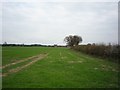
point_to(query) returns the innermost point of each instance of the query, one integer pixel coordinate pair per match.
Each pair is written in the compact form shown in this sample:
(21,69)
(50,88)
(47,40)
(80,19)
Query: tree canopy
(73,40)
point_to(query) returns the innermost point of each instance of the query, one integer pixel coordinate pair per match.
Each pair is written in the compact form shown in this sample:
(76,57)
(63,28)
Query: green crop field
(55,67)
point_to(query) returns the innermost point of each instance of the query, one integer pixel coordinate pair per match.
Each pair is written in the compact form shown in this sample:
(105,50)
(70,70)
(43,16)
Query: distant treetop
(73,40)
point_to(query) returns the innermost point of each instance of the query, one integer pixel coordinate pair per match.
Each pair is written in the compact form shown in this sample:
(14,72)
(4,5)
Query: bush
(105,51)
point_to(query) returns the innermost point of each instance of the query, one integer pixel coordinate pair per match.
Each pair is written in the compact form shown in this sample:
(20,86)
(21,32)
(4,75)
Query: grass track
(61,68)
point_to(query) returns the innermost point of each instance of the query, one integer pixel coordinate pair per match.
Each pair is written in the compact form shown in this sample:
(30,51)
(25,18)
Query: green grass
(62,68)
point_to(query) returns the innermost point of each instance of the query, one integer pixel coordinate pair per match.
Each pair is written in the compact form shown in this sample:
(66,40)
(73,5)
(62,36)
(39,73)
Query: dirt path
(33,60)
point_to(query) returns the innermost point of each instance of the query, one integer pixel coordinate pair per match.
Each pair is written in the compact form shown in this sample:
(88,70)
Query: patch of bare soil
(71,61)
(75,61)
(63,57)
(108,68)
(33,60)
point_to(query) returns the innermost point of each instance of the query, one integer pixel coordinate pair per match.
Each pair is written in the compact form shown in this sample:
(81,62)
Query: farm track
(33,60)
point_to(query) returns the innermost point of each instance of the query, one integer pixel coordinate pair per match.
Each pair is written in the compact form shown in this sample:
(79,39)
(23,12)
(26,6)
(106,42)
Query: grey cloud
(49,23)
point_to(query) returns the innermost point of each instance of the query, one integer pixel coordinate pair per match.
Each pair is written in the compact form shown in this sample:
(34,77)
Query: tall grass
(105,51)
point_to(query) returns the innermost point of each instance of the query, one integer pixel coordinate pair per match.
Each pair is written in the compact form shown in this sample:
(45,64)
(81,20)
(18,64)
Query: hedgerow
(105,51)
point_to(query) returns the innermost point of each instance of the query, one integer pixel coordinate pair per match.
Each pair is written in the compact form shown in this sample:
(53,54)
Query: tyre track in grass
(14,70)
(19,61)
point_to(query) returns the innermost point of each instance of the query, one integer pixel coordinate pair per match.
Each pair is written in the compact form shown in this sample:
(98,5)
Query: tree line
(31,45)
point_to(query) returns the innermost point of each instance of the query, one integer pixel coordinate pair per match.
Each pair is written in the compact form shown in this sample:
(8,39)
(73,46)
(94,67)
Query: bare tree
(73,40)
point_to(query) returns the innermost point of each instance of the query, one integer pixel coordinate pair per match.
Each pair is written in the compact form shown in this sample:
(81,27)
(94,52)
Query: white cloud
(59,0)
(0,22)
(50,22)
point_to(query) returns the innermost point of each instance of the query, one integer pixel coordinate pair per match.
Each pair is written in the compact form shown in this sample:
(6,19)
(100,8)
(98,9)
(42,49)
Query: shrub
(105,51)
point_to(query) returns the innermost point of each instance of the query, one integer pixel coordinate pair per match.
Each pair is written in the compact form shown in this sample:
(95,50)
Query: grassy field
(61,68)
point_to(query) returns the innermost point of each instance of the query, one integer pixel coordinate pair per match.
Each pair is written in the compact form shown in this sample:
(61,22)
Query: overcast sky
(50,22)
